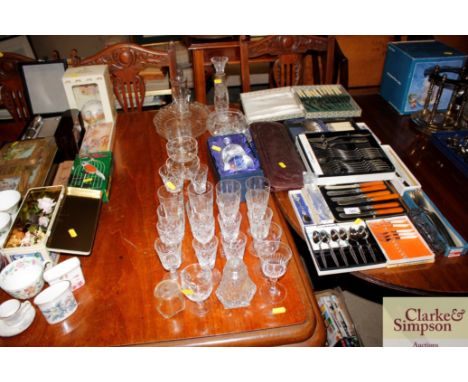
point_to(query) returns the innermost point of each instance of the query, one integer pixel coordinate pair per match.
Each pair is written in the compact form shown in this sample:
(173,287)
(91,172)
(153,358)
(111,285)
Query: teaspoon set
(344,246)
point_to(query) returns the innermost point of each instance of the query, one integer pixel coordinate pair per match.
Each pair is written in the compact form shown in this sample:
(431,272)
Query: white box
(85,84)
(405,180)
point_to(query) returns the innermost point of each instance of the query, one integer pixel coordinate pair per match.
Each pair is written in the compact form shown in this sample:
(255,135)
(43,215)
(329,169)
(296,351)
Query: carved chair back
(125,62)
(12,91)
(294,55)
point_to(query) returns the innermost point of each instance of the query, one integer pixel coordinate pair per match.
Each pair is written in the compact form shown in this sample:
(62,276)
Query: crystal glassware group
(196,281)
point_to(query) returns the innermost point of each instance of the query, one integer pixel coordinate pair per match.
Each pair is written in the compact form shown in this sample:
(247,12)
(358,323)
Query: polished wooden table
(441,181)
(117,307)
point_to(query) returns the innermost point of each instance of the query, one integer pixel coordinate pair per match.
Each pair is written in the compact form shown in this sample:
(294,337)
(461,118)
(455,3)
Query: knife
(371,207)
(357,191)
(365,199)
(355,185)
(365,195)
(386,211)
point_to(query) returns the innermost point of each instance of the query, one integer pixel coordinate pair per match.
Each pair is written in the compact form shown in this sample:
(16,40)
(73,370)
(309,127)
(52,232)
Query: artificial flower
(44,221)
(46,204)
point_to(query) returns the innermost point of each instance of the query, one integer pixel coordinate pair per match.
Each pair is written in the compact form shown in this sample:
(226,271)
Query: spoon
(355,236)
(317,240)
(365,235)
(326,239)
(344,236)
(336,237)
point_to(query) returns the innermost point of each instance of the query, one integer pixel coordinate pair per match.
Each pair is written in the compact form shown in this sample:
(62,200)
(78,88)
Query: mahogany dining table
(444,184)
(116,306)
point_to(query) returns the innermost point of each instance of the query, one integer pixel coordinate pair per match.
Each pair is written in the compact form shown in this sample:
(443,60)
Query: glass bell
(234,157)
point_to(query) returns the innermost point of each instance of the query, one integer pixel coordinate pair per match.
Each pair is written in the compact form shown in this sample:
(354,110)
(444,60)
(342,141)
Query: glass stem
(273,288)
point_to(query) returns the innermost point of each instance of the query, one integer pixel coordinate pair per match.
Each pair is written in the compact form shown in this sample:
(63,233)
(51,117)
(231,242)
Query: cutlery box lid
(75,226)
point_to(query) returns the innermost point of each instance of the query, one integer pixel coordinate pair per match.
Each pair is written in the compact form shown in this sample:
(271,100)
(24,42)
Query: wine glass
(170,256)
(273,235)
(197,285)
(274,266)
(257,194)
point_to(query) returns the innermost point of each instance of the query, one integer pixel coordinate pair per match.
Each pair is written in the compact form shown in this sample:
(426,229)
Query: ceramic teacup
(11,311)
(23,277)
(5,219)
(57,302)
(66,270)
(9,201)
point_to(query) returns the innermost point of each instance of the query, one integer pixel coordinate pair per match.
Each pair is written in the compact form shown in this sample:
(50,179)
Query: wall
(366,56)
(86,45)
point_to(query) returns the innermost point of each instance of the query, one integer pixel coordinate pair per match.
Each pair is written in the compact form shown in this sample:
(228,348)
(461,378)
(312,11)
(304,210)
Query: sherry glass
(228,196)
(257,194)
(172,202)
(206,255)
(197,285)
(272,237)
(170,256)
(199,178)
(171,180)
(201,202)
(235,248)
(274,266)
(230,227)
(260,224)
(202,225)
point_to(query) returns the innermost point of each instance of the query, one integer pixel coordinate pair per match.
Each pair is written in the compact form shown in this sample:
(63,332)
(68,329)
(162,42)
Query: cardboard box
(404,83)
(446,240)
(85,86)
(93,172)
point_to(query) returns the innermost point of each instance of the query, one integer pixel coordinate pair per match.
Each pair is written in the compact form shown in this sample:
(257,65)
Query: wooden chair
(300,60)
(126,61)
(12,91)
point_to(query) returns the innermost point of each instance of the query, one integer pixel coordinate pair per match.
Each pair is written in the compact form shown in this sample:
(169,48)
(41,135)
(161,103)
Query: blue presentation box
(216,144)
(404,83)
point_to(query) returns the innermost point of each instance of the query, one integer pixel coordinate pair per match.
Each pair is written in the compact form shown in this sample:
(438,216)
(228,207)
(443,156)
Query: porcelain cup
(23,277)
(9,201)
(5,219)
(11,311)
(57,302)
(66,270)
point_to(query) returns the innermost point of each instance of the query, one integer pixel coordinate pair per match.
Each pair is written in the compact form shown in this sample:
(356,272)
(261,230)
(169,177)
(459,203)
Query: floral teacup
(57,302)
(66,270)
(23,277)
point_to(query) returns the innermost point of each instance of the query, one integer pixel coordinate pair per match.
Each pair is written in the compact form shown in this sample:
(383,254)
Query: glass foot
(273,294)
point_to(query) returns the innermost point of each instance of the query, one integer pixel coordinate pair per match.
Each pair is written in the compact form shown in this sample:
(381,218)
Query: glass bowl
(228,122)
(193,123)
(182,149)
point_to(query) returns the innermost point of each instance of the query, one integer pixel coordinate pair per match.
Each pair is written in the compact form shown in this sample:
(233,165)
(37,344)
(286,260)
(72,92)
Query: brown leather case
(280,161)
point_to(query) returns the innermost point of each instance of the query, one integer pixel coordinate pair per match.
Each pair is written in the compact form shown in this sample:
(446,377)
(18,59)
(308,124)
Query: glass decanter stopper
(234,156)
(180,93)
(236,289)
(221,94)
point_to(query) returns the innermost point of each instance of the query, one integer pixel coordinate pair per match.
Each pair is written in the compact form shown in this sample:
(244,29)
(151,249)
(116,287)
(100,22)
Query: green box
(93,171)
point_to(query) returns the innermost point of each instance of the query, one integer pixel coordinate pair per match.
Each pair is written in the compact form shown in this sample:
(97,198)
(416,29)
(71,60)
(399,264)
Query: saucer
(28,317)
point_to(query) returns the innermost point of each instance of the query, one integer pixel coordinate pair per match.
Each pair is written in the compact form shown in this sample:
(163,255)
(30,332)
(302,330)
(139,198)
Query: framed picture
(31,158)
(25,152)
(14,181)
